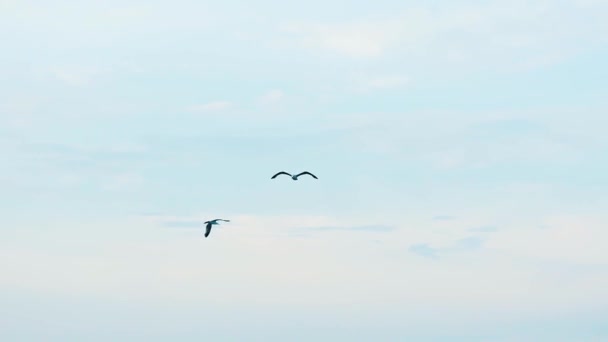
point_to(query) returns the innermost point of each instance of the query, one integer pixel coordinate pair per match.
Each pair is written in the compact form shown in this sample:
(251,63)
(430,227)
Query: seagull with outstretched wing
(294,177)
(211,223)
(304,173)
(281,173)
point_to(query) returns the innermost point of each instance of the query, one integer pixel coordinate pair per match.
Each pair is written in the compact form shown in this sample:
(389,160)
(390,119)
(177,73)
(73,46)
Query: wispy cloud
(387,82)
(271,224)
(487,142)
(371,228)
(506,128)
(211,106)
(467,244)
(578,239)
(444,217)
(76,75)
(171,220)
(272,97)
(424,250)
(184,224)
(93,153)
(365,83)
(470,243)
(484,229)
(452,34)
(123,181)
(361,40)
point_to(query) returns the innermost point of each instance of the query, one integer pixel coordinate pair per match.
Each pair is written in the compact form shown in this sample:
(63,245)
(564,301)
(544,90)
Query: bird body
(210,224)
(294,177)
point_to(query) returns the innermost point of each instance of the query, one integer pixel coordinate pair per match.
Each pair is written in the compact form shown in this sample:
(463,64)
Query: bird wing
(306,173)
(215,221)
(208,229)
(281,173)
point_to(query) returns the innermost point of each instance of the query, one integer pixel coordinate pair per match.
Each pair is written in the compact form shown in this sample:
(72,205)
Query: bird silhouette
(211,223)
(294,177)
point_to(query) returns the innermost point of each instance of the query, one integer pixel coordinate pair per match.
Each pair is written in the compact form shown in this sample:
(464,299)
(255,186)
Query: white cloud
(388,82)
(452,139)
(211,106)
(122,181)
(272,224)
(153,263)
(75,75)
(96,20)
(160,264)
(19,111)
(365,83)
(515,34)
(272,96)
(574,239)
(355,40)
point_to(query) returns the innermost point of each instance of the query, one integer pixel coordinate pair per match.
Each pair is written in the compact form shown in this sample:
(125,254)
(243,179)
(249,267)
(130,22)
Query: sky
(460,146)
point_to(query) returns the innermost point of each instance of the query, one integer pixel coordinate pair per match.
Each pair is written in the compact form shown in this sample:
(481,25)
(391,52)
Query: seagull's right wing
(307,173)
(280,173)
(207,229)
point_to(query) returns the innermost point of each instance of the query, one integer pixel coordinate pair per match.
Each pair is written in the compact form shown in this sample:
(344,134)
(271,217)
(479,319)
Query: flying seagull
(211,223)
(296,176)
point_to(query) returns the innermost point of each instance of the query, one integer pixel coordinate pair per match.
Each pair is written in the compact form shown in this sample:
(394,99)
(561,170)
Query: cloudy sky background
(461,150)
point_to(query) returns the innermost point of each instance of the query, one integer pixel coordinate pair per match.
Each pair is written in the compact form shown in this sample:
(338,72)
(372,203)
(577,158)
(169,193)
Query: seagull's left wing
(280,173)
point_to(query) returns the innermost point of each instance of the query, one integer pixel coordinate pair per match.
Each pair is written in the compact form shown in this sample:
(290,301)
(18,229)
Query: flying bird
(211,223)
(294,177)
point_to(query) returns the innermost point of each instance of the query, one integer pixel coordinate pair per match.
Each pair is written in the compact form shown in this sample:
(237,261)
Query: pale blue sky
(461,150)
